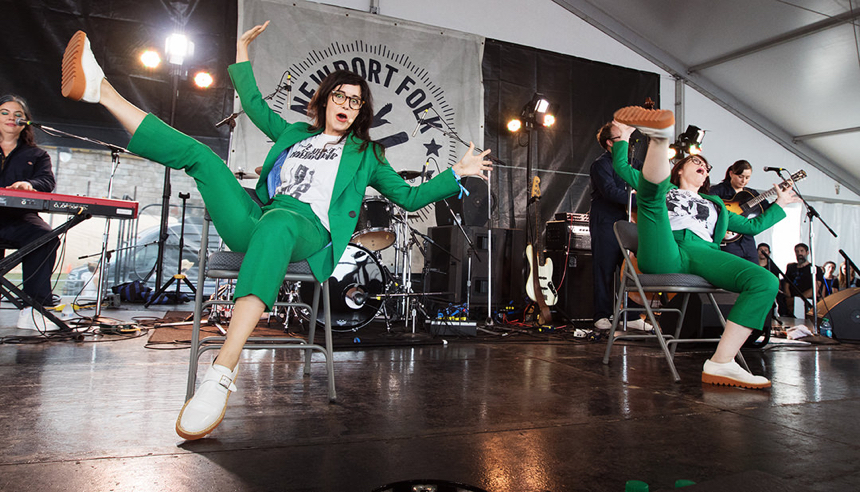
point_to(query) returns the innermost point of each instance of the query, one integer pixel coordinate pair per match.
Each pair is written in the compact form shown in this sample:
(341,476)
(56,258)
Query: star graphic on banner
(433,148)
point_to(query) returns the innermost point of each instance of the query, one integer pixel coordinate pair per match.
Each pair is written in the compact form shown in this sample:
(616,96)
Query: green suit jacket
(726,219)
(357,170)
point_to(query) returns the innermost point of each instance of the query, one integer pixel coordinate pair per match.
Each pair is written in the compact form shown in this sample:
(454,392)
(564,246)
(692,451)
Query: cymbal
(242,174)
(405,174)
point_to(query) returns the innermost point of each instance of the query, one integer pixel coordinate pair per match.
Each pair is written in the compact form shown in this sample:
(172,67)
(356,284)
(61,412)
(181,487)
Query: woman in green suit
(312,184)
(680,228)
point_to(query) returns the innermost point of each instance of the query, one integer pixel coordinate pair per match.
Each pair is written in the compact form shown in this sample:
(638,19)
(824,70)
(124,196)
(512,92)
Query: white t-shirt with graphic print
(688,210)
(308,170)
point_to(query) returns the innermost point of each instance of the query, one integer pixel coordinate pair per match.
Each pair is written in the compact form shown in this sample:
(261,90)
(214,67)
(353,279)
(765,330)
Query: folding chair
(225,265)
(667,283)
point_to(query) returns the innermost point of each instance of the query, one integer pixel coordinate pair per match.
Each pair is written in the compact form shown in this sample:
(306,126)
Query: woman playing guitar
(733,190)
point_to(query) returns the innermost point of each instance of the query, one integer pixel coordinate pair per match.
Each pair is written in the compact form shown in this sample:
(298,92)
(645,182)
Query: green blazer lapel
(722,217)
(349,163)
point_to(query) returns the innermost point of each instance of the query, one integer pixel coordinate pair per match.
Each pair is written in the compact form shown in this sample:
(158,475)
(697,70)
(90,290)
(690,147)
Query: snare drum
(373,230)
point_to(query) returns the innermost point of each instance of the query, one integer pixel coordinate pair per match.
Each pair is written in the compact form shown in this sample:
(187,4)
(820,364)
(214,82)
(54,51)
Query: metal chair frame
(671,283)
(225,265)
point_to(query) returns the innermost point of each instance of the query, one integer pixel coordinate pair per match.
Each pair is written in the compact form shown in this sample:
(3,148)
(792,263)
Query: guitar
(751,208)
(539,286)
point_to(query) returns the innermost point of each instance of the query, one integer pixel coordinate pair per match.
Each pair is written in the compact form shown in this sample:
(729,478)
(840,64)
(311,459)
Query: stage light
(689,142)
(548,120)
(150,59)
(673,151)
(514,125)
(203,80)
(537,112)
(177,48)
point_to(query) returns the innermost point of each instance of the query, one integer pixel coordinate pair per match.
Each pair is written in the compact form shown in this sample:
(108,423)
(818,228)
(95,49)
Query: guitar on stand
(744,203)
(539,286)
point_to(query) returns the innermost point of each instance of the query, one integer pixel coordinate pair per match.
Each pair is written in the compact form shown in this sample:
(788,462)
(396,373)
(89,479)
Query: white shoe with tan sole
(205,410)
(731,374)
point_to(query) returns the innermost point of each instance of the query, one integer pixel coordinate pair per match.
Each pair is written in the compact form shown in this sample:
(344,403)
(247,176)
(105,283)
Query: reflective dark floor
(505,417)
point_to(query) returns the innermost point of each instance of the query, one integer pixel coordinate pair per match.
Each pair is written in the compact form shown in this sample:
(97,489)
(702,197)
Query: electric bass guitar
(539,286)
(744,203)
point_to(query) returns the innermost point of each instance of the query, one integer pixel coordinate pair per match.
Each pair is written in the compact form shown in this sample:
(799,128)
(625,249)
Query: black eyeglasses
(696,160)
(339,98)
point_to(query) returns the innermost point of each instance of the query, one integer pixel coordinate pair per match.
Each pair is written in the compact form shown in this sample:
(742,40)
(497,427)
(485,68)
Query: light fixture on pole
(689,142)
(177,48)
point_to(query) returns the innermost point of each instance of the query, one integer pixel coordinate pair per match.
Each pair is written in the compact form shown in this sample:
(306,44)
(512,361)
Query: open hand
(472,164)
(785,197)
(245,40)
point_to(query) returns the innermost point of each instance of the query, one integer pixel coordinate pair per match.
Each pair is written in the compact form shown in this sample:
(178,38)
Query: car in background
(136,260)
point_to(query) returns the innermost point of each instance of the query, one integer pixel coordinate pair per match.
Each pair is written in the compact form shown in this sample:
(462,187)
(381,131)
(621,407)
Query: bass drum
(356,280)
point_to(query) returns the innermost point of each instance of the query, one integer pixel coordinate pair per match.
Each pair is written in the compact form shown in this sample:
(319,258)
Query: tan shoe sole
(74,81)
(189,436)
(650,118)
(725,381)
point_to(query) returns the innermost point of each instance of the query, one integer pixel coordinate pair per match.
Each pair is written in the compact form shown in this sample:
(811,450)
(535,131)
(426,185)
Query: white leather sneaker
(29,319)
(82,75)
(204,411)
(655,123)
(640,324)
(603,324)
(731,374)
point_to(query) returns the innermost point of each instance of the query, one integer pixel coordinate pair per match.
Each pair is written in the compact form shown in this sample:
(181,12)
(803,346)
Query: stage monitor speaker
(449,273)
(472,209)
(843,310)
(576,293)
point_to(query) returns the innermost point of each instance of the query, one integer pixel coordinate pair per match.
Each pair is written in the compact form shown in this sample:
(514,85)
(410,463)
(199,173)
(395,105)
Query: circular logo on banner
(403,94)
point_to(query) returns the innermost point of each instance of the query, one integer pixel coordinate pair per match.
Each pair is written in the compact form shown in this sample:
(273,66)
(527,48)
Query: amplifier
(561,233)
(572,217)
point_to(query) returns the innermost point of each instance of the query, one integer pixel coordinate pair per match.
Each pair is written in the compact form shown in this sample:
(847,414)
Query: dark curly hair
(362,123)
(28,136)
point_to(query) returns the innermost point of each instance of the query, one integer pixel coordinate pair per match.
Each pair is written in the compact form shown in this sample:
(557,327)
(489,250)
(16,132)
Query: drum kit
(361,287)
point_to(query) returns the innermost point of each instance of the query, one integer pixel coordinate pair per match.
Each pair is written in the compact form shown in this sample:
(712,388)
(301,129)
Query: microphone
(423,115)
(777,169)
(23,122)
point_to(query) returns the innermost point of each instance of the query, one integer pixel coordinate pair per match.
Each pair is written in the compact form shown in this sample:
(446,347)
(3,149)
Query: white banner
(410,68)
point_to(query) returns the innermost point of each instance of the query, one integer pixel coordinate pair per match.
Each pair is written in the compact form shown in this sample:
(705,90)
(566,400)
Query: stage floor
(540,415)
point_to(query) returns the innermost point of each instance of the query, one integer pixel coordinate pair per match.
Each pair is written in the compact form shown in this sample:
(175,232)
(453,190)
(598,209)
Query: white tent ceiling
(790,68)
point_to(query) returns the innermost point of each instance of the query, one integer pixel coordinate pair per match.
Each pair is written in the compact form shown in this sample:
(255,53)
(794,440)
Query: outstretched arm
(472,164)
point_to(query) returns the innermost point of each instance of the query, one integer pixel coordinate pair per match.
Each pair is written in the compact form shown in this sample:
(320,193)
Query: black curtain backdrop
(35,33)
(585,95)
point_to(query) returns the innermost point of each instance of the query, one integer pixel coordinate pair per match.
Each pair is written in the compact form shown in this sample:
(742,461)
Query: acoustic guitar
(744,203)
(539,286)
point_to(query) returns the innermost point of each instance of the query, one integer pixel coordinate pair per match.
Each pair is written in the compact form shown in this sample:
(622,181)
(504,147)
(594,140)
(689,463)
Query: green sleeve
(622,167)
(386,180)
(743,225)
(263,117)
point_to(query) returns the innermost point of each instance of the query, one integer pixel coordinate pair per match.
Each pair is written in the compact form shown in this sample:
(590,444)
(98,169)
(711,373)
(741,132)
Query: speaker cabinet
(450,273)
(472,209)
(843,310)
(576,290)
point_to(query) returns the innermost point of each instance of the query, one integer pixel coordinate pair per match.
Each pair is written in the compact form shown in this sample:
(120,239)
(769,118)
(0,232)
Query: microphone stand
(115,150)
(811,214)
(451,133)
